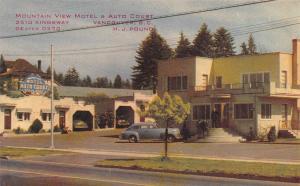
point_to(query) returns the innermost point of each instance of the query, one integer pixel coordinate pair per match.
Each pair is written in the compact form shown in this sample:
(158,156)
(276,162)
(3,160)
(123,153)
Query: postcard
(149,92)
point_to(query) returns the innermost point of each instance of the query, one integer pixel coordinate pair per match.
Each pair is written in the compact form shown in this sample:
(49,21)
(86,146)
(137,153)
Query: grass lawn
(22,152)
(210,167)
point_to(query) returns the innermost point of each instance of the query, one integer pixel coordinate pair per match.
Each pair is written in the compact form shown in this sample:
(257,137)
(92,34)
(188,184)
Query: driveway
(108,141)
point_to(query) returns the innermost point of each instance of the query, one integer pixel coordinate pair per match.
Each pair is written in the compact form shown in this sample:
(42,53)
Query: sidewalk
(100,154)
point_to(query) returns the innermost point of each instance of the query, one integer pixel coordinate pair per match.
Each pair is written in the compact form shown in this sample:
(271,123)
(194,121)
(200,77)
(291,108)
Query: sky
(116,45)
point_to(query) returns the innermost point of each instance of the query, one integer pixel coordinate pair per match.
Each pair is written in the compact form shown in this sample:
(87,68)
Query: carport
(124,113)
(82,121)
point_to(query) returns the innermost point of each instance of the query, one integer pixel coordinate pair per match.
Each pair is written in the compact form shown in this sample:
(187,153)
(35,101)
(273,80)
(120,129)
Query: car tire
(170,138)
(132,139)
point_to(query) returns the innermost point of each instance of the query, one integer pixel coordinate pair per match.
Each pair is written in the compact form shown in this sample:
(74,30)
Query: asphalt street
(96,141)
(20,172)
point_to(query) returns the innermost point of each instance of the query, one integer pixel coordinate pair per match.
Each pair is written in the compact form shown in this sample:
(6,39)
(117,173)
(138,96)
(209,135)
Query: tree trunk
(166,140)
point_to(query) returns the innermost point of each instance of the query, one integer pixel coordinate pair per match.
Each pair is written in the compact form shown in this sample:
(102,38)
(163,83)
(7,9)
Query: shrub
(251,135)
(56,128)
(15,94)
(272,134)
(36,126)
(19,131)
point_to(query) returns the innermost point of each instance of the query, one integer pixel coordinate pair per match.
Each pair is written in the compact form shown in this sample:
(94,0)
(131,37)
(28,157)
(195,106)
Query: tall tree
(183,48)
(244,49)
(118,81)
(251,45)
(2,64)
(86,81)
(153,48)
(72,77)
(223,43)
(203,43)
(126,84)
(60,78)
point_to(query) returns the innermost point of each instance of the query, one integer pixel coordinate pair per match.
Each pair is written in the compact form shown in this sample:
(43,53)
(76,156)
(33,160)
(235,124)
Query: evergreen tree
(203,43)
(244,50)
(101,82)
(118,81)
(153,48)
(2,64)
(251,45)
(60,78)
(87,81)
(72,77)
(183,48)
(110,84)
(48,71)
(223,43)
(126,84)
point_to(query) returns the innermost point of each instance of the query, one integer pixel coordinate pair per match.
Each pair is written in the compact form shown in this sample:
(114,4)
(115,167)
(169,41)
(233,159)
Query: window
(26,116)
(205,80)
(177,83)
(219,82)
(46,116)
(23,116)
(243,111)
(283,79)
(201,112)
(256,80)
(20,116)
(245,79)
(266,111)
(184,82)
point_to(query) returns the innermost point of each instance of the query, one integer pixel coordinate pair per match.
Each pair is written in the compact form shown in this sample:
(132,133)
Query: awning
(46,110)
(7,105)
(220,96)
(24,110)
(65,107)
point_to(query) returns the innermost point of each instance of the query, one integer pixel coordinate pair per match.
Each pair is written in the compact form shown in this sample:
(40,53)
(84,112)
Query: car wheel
(170,138)
(132,139)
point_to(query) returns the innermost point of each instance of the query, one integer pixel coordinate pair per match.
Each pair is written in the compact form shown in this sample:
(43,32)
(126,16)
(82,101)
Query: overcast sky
(111,60)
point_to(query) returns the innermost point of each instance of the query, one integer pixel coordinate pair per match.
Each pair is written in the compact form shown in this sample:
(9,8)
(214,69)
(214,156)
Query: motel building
(257,91)
(24,97)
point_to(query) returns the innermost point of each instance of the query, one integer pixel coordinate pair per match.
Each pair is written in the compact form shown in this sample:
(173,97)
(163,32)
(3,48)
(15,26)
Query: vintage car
(149,131)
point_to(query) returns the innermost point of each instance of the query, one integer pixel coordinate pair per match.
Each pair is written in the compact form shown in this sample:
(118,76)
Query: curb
(214,174)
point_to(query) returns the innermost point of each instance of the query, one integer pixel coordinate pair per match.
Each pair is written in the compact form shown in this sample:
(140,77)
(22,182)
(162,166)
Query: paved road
(14,172)
(96,141)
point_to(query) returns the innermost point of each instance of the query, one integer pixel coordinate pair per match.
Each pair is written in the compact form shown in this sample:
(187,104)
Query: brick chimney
(296,62)
(39,65)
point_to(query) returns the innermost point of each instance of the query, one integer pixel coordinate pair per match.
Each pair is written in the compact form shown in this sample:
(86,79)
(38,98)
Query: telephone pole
(52,114)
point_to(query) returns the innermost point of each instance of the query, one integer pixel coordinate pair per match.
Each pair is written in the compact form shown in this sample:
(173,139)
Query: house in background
(12,72)
(257,91)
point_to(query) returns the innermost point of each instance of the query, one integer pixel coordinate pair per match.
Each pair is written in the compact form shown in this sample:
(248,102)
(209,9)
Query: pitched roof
(70,91)
(21,67)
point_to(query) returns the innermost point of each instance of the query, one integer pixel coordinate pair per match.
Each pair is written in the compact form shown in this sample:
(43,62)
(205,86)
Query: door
(7,119)
(62,119)
(284,113)
(218,110)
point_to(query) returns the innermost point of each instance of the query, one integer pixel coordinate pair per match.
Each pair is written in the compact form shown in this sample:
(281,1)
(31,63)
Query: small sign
(33,85)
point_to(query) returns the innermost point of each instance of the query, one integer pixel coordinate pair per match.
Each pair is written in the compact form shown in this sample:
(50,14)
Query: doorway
(222,112)
(7,119)
(62,119)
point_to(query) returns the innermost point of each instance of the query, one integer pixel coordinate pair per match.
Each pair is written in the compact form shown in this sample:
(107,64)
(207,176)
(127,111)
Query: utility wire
(86,50)
(138,20)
